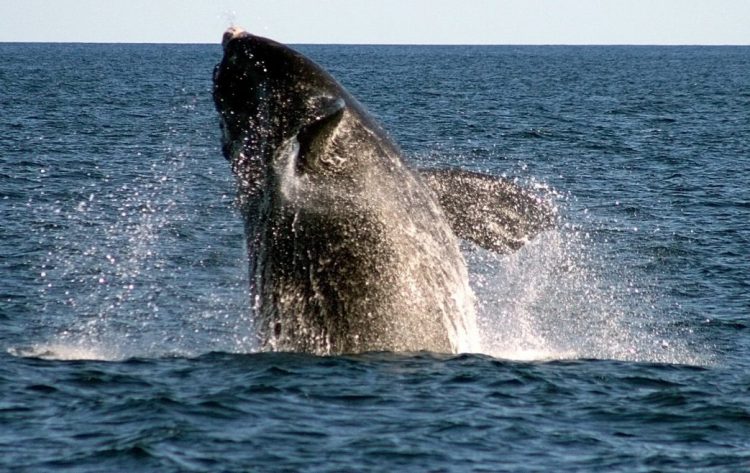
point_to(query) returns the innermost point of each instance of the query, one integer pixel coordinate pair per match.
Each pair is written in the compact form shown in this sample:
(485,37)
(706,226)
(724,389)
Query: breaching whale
(351,250)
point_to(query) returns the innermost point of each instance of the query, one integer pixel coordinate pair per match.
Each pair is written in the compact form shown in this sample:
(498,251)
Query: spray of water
(229,18)
(131,272)
(125,286)
(559,297)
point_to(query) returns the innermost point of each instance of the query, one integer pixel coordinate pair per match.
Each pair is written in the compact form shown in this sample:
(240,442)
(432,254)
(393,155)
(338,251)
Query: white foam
(66,352)
(533,355)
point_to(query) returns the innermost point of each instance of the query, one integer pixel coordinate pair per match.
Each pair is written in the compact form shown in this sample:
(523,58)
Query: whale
(351,249)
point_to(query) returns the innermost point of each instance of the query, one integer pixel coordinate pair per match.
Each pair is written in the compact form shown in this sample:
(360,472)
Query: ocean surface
(618,342)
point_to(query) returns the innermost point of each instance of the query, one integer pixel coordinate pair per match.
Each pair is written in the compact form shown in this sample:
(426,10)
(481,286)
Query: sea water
(616,342)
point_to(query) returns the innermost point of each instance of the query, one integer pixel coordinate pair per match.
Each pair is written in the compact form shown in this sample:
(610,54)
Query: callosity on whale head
(350,249)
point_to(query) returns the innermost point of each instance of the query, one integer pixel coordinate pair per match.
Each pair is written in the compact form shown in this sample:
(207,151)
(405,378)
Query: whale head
(274,101)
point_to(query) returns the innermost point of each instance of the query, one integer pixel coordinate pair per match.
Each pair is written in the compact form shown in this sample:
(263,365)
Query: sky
(707,22)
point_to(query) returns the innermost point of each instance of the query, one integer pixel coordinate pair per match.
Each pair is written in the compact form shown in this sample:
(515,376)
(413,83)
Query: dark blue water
(618,342)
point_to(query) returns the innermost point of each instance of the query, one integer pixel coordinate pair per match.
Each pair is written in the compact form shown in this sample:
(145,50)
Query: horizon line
(188,43)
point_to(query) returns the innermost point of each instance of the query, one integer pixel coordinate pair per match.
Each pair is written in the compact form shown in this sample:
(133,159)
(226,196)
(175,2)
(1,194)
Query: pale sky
(381,21)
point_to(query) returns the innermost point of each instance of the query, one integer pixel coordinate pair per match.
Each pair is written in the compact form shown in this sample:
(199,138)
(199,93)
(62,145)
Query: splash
(559,297)
(125,277)
(229,17)
(132,269)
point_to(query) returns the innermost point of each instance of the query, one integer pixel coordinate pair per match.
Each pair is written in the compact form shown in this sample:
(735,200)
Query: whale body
(351,249)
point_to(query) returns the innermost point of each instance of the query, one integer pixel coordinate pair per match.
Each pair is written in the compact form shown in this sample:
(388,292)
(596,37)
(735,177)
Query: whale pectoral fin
(489,211)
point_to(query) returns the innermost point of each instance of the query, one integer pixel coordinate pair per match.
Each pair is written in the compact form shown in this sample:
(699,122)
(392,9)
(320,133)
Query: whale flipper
(492,212)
